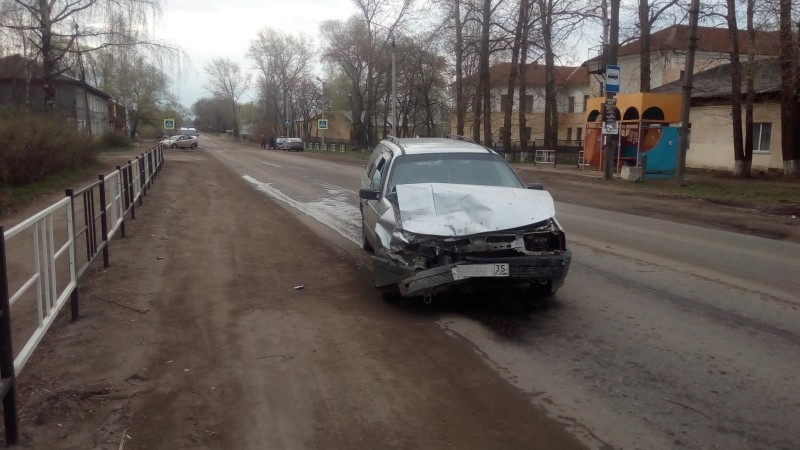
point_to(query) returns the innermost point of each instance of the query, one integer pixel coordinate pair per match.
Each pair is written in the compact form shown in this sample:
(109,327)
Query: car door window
(376,178)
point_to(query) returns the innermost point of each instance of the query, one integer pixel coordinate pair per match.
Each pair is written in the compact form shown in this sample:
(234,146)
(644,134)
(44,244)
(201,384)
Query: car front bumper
(549,268)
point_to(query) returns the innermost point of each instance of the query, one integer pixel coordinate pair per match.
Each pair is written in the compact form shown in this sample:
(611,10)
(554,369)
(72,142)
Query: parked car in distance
(180,141)
(293,144)
(189,131)
(448,213)
(280,142)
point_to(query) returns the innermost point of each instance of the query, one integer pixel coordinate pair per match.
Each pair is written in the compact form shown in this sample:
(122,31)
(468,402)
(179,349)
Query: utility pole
(688,75)
(394,89)
(323,112)
(613,47)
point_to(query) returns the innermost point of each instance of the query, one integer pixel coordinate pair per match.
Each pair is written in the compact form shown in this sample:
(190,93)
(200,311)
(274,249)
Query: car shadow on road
(513,315)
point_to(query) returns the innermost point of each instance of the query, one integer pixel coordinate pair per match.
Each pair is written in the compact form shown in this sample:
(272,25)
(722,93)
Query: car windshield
(483,169)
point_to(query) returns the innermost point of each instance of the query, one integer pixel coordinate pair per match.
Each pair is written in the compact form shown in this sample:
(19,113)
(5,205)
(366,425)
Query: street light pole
(323,112)
(394,89)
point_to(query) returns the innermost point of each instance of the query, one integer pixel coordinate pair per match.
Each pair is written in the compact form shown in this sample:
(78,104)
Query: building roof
(16,67)
(535,75)
(715,83)
(715,40)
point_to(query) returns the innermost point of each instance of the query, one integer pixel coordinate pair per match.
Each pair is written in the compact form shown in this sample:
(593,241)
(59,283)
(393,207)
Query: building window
(579,134)
(529,103)
(569,132)
(762,132)
(571,104)
(585,103)
(505,103)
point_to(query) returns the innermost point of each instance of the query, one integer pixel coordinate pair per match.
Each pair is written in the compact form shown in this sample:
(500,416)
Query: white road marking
(335,212)
(273,165)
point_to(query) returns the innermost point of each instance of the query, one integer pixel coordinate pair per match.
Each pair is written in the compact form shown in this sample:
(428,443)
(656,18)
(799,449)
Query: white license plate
(479,270)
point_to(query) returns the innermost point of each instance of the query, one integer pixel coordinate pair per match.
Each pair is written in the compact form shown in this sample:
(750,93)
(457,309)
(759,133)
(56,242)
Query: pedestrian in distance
(271,143)
(263,142)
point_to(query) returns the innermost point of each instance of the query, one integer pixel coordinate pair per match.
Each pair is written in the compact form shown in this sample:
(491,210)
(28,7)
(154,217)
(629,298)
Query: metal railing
(107,201)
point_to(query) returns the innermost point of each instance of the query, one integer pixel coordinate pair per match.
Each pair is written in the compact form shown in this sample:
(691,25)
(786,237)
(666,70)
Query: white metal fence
(54,236)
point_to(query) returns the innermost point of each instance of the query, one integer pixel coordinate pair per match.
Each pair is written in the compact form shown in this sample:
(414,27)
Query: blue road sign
(612,79)
(322,124)
(286,123)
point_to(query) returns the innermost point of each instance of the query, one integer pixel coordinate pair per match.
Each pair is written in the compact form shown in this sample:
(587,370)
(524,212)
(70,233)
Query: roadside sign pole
(613,48)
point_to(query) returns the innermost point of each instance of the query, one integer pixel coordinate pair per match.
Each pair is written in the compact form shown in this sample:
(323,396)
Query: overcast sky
(207,29)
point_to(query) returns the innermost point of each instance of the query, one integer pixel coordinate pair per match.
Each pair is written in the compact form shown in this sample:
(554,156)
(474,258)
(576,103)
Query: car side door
(371,210)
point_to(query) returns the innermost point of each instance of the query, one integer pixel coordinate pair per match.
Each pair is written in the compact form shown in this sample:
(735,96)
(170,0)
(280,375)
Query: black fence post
(125,203)
(91,233)
(8,381)
(103,221)
(73,296)
(131,192)
(143,189)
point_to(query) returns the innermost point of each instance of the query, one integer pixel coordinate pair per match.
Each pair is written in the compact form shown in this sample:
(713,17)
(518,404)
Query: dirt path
(197,337)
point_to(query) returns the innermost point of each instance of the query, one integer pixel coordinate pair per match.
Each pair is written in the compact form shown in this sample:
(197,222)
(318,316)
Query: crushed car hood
(440,209)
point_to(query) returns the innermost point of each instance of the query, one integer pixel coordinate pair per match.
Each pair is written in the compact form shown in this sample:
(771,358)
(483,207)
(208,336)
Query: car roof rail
(458,137)
(396,141)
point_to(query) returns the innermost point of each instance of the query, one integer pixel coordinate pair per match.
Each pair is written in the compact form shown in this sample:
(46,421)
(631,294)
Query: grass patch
(731,192)
(12,197)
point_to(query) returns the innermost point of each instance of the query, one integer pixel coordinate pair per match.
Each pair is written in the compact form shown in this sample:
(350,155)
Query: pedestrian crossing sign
(169,124)
(322,124)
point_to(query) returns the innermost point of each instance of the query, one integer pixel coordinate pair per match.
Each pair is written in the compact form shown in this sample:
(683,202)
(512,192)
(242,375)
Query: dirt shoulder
(200,336)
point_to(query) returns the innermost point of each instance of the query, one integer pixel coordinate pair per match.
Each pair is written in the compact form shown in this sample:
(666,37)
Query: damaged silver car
(444,213)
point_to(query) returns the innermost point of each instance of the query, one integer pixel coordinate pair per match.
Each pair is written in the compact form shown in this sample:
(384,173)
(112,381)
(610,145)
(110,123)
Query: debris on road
(299,287)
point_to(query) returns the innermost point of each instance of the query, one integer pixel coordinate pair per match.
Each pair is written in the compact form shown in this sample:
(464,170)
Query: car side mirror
(537,186)
(369,194)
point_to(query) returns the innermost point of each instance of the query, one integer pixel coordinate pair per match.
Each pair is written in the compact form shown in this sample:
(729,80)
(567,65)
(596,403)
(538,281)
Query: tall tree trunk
(736,91)
(550,101)
(460,106)
(644,50)
(512,81)
(485,78)
(476,112)
(788,95)
(48,61)
(523,69)
(747,161)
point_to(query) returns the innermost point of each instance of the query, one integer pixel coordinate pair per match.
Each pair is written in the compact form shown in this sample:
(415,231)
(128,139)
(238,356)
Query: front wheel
(174,146)
(194,146)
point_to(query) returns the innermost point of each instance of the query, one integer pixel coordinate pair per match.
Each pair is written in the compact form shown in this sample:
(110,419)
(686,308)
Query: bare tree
(649,12)
(285,58)
(750,94)
(789,108)
(739,153)
(54,28)
(513,75)
(227,82)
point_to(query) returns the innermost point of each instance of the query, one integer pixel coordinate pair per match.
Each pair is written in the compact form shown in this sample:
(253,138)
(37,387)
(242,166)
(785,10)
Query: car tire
(174,146)
(543,290)
(194,146)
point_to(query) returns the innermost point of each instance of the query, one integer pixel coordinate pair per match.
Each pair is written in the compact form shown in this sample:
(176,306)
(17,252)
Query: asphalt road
(664,336)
